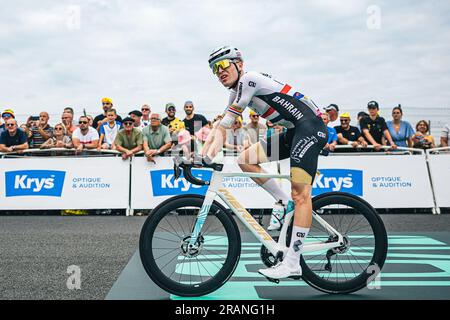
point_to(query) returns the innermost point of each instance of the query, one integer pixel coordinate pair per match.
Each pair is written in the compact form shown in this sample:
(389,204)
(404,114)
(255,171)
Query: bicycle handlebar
(188,164)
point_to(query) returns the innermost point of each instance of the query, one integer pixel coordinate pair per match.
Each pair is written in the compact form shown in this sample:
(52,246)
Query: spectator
(254,129)
(12,139)
(129,140)
(236,136)
(101,118)
(7,114)
(85,136)
(184,143)
(423,140)
(30,121)
(203,133)
(401,131)
(347,134)
(273,129)
(332,135)
(109,130)
(136,116)
(156,137)
(374,127)
(60,138)
(145,109)
(41,131)
(445,136)
(67,121)
(91,120)
(333,115)
(27,132)
(193,122)
(173,123)
(361,115)
(218,118)
(68,110)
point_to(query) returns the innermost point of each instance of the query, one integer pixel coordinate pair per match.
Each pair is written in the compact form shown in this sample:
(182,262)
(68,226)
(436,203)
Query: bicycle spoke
(165,254)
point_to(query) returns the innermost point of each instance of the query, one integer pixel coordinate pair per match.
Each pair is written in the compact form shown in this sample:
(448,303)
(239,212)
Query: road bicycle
(190,245)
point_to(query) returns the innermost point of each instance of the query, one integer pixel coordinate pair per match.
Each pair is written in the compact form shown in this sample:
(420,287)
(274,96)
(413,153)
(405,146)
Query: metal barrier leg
(436,209)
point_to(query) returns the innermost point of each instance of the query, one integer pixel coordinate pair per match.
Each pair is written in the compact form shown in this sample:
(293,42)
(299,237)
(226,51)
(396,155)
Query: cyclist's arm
(239,102)
(217,136)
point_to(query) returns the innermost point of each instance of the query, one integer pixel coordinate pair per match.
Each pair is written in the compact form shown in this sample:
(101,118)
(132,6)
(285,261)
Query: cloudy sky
(72,53)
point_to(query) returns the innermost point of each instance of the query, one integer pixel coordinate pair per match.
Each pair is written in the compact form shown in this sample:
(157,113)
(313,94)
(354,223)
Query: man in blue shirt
(332,134)
(13,139)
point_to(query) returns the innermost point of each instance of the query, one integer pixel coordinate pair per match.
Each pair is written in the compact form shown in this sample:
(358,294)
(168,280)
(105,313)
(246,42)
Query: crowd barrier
(92,182)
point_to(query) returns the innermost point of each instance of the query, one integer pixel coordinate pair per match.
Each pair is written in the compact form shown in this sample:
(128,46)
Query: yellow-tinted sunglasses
(222,63)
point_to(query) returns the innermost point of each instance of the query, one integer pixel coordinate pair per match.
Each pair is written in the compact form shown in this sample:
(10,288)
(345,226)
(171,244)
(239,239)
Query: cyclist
(305,137)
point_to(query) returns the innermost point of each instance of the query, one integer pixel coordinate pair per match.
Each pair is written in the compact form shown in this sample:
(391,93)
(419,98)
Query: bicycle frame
(247,219)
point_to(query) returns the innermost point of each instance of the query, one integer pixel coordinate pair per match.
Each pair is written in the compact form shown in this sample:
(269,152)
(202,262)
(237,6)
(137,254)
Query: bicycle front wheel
(172,264)
(351,267)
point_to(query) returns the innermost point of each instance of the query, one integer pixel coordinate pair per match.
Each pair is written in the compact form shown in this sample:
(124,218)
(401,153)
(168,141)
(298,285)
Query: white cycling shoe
(280,271)
(279,211)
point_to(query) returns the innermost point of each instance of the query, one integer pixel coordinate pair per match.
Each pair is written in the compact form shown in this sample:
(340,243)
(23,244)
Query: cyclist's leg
(273,149)
(306,146)
(304,157)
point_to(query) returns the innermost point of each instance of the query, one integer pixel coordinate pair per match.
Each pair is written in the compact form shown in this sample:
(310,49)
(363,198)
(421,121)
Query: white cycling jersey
(273,100)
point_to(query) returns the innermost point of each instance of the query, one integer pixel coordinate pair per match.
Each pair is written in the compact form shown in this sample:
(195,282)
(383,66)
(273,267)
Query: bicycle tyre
(148,258)
(379,254)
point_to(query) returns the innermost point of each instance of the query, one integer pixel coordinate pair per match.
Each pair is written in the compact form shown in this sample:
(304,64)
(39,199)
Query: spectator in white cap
(333,115)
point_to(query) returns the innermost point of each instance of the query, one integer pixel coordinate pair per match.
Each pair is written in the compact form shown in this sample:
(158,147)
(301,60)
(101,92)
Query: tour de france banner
(385,181)
(440,175)
(152,183)
(64,183)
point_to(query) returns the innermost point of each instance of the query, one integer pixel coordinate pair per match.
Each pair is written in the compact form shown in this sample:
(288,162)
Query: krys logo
(164,184)
(338,180)
(34,183)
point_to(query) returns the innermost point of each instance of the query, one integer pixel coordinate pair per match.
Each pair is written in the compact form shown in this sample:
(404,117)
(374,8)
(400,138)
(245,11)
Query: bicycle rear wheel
(351,267)
(171,264)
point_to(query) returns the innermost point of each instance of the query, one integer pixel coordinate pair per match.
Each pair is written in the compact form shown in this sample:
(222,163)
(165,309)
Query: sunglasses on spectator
(344,120)
(58,128)
(10,124)
(255,116)
(128,123)
(171,109)
(6,115)
(188,106)
(83,122)
(105,103)
(145,109)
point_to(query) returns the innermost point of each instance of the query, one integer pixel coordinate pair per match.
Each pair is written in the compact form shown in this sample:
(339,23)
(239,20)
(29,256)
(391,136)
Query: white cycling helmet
(225,52)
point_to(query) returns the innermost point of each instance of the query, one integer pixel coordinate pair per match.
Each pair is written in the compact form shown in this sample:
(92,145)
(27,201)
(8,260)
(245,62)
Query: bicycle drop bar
(188,164)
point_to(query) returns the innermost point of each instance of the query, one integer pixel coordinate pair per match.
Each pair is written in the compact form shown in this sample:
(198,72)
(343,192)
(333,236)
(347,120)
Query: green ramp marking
(247,289)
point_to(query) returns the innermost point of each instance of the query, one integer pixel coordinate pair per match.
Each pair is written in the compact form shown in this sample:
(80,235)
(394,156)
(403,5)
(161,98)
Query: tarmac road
(35,251)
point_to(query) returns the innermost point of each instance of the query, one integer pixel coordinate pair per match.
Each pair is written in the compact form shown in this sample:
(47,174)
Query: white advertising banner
(440,175)
(384,181)
(64,183)
(152,183)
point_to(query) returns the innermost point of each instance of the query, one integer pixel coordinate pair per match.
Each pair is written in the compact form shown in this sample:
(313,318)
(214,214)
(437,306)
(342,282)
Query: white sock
(298,237)
(272,187)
